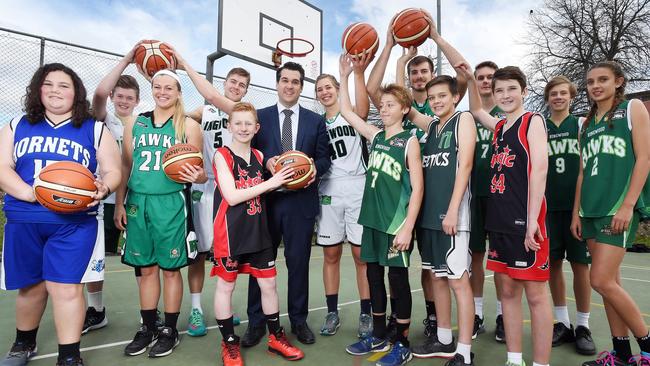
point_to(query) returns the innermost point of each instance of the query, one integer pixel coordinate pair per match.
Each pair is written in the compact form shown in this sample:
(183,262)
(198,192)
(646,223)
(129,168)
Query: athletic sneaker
(399,355)
(230,352)
(367,345)
(391,328)
(365,325)
(508,363)
(606,358)
(500,331)
(94,319)
(459,360)
(196,324)
(331,325)
(642,359)
(279,344)
(236,320)
(430,326)
(479,328)
(143,338)
(584,342)
(19,354)
(562,334)
(159,322)
(70,361)
(433,348)
(167,341)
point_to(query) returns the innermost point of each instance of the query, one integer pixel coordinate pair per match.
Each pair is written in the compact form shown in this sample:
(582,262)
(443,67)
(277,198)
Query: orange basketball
(358,37)
(410,28)
(154,56)
(302,165)
(65,187)
(176,156)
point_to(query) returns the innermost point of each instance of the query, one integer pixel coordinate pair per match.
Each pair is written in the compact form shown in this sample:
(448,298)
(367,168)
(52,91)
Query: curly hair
(34,108)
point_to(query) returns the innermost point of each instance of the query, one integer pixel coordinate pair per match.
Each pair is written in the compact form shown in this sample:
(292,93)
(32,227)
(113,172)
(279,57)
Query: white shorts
(202,203)
(340,205)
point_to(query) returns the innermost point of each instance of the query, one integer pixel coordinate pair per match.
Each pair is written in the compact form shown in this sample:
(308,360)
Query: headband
(168,73)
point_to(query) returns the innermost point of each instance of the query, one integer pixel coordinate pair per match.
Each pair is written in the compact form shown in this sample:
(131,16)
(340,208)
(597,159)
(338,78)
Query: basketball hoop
(276,57)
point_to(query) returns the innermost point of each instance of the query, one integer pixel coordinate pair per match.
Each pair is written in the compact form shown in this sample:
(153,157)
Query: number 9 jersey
(563,163)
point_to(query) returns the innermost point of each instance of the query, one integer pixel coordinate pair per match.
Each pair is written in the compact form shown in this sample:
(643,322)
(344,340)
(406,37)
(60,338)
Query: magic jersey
(347,149)
(214,123)
(482,155)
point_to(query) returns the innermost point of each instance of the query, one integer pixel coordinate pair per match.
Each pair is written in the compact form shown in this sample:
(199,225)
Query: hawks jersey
(149,145)
(388,184)
(412,128)
(510,165)
(43,143)
(115,126)
(214,123)
(242,228)
(347,149)
(440,163)
(482,154)
(563,163)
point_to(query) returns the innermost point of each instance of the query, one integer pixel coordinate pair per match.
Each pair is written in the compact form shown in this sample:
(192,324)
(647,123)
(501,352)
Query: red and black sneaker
(230,354)
(279,344)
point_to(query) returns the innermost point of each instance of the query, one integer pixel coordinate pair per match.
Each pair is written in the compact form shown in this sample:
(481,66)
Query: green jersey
(388,183)
(412,128)
(482,154)
(149,145)
(563,163)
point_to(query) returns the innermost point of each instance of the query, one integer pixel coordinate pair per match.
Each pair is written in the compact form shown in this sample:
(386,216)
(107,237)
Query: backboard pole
(439,55)
(209,66)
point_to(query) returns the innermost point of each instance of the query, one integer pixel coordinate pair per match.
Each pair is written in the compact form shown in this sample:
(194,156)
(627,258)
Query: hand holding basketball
(283,176)
(313,174)
(360,64)
(102,192)
(390,39)
(192,173)
(407,54)
(432,25)
(345,66)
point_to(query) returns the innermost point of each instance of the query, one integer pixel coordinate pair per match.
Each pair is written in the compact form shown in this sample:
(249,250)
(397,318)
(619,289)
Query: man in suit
(292,214)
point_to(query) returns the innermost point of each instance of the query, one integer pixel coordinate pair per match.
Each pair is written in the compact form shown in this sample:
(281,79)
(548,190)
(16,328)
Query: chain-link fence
(21,54)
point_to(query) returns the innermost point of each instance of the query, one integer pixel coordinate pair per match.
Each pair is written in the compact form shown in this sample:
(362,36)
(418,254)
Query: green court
(105,346)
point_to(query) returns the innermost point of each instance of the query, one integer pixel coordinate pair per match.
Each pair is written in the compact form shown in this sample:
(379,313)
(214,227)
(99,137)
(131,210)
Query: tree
(568,36)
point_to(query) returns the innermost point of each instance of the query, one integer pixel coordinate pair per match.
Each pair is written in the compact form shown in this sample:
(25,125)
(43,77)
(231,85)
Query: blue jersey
(43,143)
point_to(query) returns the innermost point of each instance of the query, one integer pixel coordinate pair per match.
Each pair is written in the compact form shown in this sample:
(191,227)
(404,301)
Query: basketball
(358,37)
(176,156)
(302,165)
(410,28)
(154,56)
(65,187)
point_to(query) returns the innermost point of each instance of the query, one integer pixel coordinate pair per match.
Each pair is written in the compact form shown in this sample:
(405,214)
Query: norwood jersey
(149,145)
(482,155)
(510,167)
(214,123)
(347,149)
(388,184)
(411,127)
(43,143)
(563,163)
(242,228)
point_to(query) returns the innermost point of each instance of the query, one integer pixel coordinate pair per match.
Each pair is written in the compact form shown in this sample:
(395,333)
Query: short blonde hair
(559,80)
(245,107)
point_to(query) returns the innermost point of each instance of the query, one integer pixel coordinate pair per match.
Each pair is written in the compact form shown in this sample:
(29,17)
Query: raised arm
(361,101)
(378,71)
(366,130)
(402,61)
(475,104)
(107,85)
(537,142)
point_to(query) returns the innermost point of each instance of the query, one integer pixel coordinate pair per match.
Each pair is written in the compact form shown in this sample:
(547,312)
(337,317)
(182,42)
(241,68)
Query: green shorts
(377,246)
(599,228)
(562,241)
(156,231)
(478,235)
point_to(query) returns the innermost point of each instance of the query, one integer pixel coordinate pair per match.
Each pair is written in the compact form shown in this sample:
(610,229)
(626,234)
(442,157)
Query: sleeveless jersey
(347,149)
(388,184)
(482,153)
(440,163)
(43,143)
(115,126)
(242,228)
(215,133)
(607,162)
(149,146)
(507,207)
(563,163)
(412,128)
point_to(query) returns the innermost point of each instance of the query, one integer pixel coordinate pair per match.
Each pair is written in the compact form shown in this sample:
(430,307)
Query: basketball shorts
(111,232)
(259,265)
(156,231)
(340,205)
(377,246)
(203,215)
(445,255)
(63,253)
(562,241)
(599,228)
(478,235)
(507,254)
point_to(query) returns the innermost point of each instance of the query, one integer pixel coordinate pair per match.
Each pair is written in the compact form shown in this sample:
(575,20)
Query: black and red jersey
(242,228)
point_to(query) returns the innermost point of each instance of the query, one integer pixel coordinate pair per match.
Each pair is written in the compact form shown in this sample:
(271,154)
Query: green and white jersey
(388,184)
(482,154)
(440,163)
(563,163)
(347,149)
(214,123)
(149,145)
(412,128)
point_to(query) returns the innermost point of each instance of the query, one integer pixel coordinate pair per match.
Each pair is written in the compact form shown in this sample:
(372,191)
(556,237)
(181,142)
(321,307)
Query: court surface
(105,346)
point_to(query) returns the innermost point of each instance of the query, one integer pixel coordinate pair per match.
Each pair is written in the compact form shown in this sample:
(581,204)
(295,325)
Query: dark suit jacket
(312,139)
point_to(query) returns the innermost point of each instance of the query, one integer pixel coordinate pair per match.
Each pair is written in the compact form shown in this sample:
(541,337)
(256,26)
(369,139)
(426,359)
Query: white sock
(539,364)
(582,319)
(465,351)
(444,335)
(499,308)
(515,357)
(96,300)
(478,307)
(196,301)
(562,315)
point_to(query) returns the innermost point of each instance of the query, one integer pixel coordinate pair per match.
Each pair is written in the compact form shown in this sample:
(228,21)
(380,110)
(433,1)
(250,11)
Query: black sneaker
(479,328)
(584,343)
(430,326)
(433,348)
(459,360)
(391,328)
(562,334)
(94,319)
(500,331)
(606,358)
(70,361)
(167,341)
(143,339)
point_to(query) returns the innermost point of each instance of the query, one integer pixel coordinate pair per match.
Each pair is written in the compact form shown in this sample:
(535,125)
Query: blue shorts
(63,253)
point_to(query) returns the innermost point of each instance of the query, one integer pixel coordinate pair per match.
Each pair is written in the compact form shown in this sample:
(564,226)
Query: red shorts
(259,265)
(507,254)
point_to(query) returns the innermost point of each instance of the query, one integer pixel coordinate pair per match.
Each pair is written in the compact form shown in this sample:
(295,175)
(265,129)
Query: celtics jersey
(482,155)
(440,163)
(214,123)
(149,145)
(563,163)
(411,127)
(388,184)
(347,149)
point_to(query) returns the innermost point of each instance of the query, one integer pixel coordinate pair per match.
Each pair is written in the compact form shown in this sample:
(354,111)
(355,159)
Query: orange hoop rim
(280,51)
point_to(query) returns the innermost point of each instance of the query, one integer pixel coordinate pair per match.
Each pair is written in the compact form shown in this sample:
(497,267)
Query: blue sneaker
(399,355)
(367,345)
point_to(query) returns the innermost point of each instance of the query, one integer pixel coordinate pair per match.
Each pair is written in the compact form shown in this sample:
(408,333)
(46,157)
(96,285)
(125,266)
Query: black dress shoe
(584,343)
(253,335)
(562,334)
(303,333)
